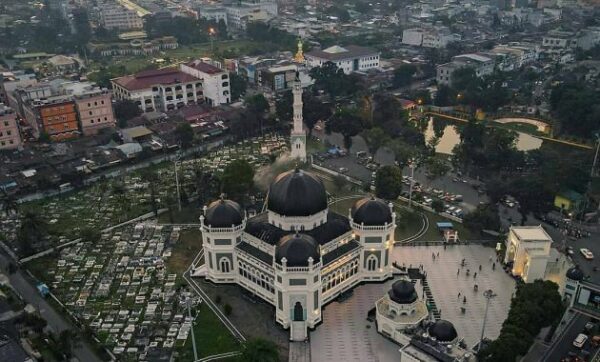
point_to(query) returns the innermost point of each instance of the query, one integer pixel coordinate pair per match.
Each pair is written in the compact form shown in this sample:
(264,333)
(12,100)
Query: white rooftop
(531,233)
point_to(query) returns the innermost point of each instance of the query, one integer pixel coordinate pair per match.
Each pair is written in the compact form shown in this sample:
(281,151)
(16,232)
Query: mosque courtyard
(347,335)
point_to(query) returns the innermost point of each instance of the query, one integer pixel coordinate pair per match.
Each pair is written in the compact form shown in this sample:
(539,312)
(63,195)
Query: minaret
(298,136)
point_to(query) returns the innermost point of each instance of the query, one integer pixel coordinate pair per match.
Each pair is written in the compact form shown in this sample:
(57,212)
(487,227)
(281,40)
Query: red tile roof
(204,67)
(150,78)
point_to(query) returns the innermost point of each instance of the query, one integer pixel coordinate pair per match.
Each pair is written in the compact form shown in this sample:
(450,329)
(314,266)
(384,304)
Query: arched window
(225,265)
(372,263)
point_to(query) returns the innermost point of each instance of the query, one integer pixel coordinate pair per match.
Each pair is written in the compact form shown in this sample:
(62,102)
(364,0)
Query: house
(351,58)
(481,64)
(10,137)
(136,134)
(568,200)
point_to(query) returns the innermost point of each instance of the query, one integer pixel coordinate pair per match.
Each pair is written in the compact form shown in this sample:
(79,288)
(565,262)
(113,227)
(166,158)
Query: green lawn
(211,337)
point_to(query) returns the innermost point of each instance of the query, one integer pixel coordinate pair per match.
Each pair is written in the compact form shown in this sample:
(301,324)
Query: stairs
(415,274)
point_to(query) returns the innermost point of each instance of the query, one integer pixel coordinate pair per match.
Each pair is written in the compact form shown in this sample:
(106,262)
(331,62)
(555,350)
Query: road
(564,344)
(55,321)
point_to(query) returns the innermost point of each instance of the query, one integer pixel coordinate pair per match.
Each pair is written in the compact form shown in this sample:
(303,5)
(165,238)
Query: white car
(580,340)
(586,253)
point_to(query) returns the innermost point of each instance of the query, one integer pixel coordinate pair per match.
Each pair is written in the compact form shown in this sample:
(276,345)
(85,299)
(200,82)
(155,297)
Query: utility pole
(488,294)
(177,181)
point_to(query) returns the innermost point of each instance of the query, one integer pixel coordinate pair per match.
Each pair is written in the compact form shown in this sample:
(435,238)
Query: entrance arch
(298,312)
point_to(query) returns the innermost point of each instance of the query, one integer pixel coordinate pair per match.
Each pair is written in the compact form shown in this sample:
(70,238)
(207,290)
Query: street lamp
(488,294)
(211,33)
(188,301)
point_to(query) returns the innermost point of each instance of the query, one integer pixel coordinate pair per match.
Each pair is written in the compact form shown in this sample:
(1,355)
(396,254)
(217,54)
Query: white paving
(344,336)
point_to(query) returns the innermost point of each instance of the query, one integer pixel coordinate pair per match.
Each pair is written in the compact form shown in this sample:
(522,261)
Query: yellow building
(568,200)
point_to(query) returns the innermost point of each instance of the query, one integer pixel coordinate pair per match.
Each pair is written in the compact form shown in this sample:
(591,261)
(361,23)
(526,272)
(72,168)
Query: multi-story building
(56,116)
(214,81)
(117,17)
(437,37)
(297,255)
(351,58)
(171,88)
(10,138)
(557,41)
(528,251)
(482,64)
(236,15)
(511,57)
(95,111)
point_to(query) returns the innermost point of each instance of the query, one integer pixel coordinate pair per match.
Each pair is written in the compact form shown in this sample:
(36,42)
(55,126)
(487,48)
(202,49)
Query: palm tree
(259,350)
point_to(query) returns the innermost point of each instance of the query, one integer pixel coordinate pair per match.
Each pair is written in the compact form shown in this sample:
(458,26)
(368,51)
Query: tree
(257,104)
(485,217)
(32,231)
(402,151)
(237,179)
(375,138)
(436,168)
(81,23)
(403,75)
(259,350)
(437,205)
(8,202)
(238,85)
(227,309)
(184,134)
(126,110)
(388,182)
(339,182)
(313,109)
(347,123)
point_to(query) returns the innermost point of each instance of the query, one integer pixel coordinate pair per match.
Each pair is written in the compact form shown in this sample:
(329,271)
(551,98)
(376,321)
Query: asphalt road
(564,345)
(55,321)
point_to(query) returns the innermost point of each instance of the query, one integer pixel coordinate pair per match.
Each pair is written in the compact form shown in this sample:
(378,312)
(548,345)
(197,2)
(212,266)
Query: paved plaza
(344,335)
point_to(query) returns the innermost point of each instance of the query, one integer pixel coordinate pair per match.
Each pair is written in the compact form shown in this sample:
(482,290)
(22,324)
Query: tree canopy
(388,182)
(184,134)
(333,81)
(403,75)
(237,179)
(577,106)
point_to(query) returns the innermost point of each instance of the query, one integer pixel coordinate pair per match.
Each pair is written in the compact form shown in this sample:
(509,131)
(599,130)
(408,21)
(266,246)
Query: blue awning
(445,225)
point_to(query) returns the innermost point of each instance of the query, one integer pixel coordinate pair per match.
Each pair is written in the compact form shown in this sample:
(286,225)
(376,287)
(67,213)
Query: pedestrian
(494,266)
(458,272)
(438,254)
(475,275)
(465,299)
(458,295)
(479,267)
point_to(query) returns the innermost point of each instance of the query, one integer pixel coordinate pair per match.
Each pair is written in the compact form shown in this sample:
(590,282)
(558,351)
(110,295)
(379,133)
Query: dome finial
(222,197)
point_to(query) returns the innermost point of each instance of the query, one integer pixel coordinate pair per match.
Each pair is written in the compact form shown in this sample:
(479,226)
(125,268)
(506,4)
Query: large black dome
(297,248)
(223,214)
(575,273)
(371,211)
(297,193)
(443,331)
(403,292)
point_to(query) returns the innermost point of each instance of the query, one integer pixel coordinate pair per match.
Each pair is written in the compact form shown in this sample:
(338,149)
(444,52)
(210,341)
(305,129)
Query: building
(10,138)
(298,135)
(216,89)
(568,200)
(55,116)
(481,64)
(528,252)
(513,57)
(580,293)
(236,15)
(404,318)
(432,37)
(351,58)
(557,41)
(133,47)
(117,17)
(171,88)
(95,111)
(297,255)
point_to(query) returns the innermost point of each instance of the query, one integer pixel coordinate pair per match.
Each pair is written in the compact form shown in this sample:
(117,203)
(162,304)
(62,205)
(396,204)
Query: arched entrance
(298,312)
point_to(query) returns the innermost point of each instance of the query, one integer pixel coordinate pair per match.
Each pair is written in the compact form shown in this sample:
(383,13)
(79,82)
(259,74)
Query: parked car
(580,340)
(586,253)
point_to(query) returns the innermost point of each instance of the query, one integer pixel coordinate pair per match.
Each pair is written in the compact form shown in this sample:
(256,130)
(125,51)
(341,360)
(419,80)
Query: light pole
(488,294)
(177,185)
(211,33)
(192,328)
(411,165)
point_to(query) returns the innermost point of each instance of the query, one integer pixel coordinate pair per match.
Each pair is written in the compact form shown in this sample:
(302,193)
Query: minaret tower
(298,136)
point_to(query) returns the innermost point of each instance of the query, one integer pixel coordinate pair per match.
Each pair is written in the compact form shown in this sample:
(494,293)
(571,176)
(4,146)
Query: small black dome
(371,211)
(575,273)
(223,214)
(297,193)
(297,248)
(403,292)
(443,331)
